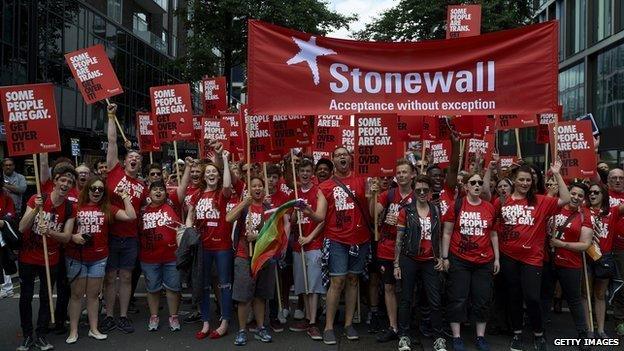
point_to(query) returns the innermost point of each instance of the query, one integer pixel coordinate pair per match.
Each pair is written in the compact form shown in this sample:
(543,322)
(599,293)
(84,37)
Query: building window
(576,26)
(572,91)
(603,19)
(113,10)
(610,87)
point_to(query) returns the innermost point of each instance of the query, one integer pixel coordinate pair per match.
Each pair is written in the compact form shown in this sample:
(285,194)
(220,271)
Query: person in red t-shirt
(346,227)
(388,205)
(309,244)
(87,251)
(174,194)
(604,220)
(157,255)
(470,239)
(246,290)
(570,235)
(123,243)
(193,186)
(417,253)
(323,170)
(53,218)
(207,214)
(522,233)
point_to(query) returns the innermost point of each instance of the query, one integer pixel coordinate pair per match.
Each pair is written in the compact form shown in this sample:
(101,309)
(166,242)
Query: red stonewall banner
(544,120)
(30,119)
(214,95)
(376,141)
(213,129)
(505,122)
(259,129)
(463,21)
(441,153)
(575,145)
(328,135)
(172,112)
(237,137)
(484,147)
(512,71)
(93,73)
(289,131)
(413,128)
(145,132)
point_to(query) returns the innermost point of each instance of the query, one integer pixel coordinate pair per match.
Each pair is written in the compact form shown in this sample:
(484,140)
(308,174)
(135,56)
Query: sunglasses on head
(594,192)
(96,189)
(475,182)
(421,191)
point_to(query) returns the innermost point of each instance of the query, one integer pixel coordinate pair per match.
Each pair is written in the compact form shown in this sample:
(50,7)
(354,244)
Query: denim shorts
(158,275)
(342,260)
(122,253)
(77,269)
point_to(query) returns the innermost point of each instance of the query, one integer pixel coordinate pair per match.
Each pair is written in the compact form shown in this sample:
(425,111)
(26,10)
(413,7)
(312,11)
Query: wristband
(445,258)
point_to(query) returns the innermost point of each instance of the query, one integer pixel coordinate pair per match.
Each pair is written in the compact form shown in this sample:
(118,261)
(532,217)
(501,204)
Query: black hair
(154,166)
(306,162)
(64,168)
(539,184)
(581,186)
(158,184)
(324,161)
(605,205)
(421,178)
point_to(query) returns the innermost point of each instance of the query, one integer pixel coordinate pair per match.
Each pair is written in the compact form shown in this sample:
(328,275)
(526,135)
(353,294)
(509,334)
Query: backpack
(413,230)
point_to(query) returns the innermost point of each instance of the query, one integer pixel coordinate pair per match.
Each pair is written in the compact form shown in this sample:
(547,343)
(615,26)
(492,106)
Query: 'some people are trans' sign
(463,21)
(172,113)
(214,95)
(145,132)
(30,119)
(93,73)
(376,140)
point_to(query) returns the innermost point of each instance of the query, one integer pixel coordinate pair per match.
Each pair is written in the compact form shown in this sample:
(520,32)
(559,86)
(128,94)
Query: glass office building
(141,39)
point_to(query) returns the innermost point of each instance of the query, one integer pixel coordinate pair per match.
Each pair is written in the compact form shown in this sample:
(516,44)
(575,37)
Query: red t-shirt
(388,233)
(616,199)
(605,227)
(571,234)
(158,242)
(210,210)
(256,216)
(344,221)
(280,196)
(307,224)
(31,251)
(48,186)
(7,206)
(138,192)
(190,191)
(522,228)
(426,246)
(91,220)
(238,189)
(447,197)
(470,239)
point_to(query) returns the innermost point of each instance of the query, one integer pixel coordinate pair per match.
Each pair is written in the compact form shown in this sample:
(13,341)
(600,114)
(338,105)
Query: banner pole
(587,292)
(249,177)
(518,148)
(123,136)
(175,152)
(266,179)
(422,157)
(303,260)
(462,145)
(76,160)
(546,158)
(45,243)
(376,218)
(279,292)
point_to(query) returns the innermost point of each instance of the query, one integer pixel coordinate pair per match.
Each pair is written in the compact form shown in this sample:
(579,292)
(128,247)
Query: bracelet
(445,258)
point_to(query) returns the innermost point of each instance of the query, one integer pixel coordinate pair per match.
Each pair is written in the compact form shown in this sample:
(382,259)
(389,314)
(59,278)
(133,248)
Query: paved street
(163,339)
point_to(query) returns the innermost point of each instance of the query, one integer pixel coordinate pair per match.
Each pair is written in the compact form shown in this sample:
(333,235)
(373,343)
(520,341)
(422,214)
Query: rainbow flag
(271,239)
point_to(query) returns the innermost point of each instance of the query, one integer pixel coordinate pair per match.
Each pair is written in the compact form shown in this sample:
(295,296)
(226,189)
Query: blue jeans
(224,261)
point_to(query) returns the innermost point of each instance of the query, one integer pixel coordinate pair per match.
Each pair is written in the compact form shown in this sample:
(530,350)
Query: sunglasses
(594,192)
(153,174)
(96,189)
(421,191)
(475,182)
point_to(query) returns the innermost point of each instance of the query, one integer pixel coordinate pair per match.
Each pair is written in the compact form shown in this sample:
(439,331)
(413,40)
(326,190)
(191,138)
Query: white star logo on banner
(308,52)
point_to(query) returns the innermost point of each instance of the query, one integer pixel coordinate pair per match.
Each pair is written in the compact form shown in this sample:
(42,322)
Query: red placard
(441,153)
(544,120)
(412,128)
(376,141)
(213,129)
(575,146)
(483,146)
(215,92)
(172,112)
(463,21)
(30,119)
(291,131)
(328,135)
(505,122)
(258,127)
(507,161)
(472,127)
(93,73)
(237,143)
(145,132)
(511,71)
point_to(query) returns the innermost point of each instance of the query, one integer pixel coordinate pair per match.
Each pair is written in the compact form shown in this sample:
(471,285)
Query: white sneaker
(404,344)
(439,344)
(71,339)
(153,323)
(298,315)
(5,294)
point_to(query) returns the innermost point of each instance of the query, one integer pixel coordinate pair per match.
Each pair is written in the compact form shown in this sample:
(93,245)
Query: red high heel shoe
(201,335)
(215,334)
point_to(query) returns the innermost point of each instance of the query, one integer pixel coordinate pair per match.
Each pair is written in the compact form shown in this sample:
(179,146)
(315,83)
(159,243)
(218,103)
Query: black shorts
(122,253)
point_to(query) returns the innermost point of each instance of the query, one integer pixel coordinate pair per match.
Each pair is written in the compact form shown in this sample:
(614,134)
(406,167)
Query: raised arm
(186,177)
(236,212)
(128,213)
(44,167)
(486,193)
(112,156)
(227,177)
(564,193)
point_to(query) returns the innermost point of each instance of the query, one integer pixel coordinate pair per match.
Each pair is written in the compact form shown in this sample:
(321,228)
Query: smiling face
(523,182)
(342,160)
(616,180)
(474,185)
(102,168)
(195,174)
(305,174)
(595,196)
(323,172)
(157,195)
(257,190)
(96,191)
(132,162)
(577,196)
(212,176)
(63,183)
(437,176)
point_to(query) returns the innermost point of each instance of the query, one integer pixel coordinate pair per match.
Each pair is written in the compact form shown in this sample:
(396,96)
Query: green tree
(217,39)
(413,20)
